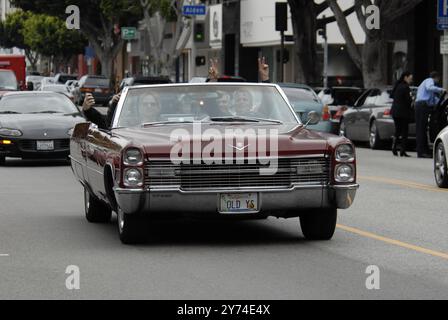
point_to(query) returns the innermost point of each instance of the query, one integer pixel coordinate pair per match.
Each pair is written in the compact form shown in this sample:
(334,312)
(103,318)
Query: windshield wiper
(165,122)
(244,119)
(44,112)
(9,112)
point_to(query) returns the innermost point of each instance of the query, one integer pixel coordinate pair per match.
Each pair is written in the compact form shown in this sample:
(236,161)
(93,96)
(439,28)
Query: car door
(97,143)
(351,117)
(362,127)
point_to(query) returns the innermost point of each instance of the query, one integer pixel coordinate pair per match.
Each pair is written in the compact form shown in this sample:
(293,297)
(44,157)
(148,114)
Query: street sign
(199,10)
(444,45)
(442,16)
(129,33)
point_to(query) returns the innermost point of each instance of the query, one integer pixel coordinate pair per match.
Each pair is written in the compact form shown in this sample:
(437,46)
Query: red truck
(17,64)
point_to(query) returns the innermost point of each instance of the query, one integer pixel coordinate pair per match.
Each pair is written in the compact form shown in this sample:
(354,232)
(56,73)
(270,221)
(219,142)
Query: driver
(244,102)
(148,111)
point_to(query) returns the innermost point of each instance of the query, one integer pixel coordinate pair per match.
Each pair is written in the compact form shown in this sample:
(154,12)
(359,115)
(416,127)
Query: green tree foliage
(98,21)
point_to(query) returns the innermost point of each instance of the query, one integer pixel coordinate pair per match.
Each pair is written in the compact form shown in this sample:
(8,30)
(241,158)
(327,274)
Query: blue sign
(442,16)
(196,10)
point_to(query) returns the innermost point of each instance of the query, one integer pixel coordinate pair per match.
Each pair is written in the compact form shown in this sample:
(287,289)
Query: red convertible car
(222,150)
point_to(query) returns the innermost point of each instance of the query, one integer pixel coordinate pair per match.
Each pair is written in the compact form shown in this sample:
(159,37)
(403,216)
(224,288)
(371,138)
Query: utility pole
(281,24)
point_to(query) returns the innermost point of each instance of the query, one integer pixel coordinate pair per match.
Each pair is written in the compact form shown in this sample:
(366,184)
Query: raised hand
(263,69)
(213,72)
(89,102)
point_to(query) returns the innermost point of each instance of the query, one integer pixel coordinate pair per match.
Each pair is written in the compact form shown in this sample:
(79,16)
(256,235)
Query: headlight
(345,153)
(133,157)
(133,178)
(10,132)
(344,173)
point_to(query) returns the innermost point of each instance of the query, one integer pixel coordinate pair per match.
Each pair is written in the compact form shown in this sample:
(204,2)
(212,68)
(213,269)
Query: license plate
(45,145)
(98,90)
(242,203)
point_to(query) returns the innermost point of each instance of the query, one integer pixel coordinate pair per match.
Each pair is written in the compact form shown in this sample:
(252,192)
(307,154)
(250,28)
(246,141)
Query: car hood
(293,139)
(41,126)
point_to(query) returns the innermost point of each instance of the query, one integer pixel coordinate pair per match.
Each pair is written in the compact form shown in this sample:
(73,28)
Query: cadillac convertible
(212,151)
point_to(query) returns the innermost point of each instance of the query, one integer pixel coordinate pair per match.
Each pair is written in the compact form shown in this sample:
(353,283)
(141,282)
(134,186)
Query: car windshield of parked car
(205,103)
(97,82)
(56,88)
(300,94)
(41,103)
(8,81)
(345,97)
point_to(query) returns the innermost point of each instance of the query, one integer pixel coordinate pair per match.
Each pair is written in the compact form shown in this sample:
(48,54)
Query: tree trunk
(374,61)
(304,24)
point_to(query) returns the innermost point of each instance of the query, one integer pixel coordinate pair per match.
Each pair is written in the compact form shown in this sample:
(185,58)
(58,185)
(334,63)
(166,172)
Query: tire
(440,166)
(96,211)
(132,229)
(319,225)
(375,141)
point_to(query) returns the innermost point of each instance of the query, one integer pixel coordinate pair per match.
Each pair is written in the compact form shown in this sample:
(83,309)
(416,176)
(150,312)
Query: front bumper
(277,203)
(26,149)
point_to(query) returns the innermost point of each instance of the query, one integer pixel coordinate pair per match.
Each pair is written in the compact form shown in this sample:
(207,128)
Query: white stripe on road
(4,255)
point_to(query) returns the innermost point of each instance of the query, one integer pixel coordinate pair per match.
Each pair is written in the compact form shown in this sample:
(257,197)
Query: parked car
(370,119)
(440,159)
(59,88)
(98,86)
(8,82)
(339,99)
(133,169)
(33,83)
(47,81)
(36,125)
(304,100)
(62,78)
(138,81)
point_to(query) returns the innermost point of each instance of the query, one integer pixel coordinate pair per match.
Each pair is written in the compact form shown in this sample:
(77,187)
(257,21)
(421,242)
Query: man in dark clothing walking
(427,99)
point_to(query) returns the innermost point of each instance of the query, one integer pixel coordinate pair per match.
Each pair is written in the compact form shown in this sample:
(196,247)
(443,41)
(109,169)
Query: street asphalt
(398,223)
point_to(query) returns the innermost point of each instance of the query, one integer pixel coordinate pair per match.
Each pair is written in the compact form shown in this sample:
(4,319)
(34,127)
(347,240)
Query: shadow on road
(205,233)
(17,163)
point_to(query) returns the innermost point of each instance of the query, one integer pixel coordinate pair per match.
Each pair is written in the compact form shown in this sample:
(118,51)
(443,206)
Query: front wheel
(132,229)
(440,166)
(96,211)
(319,224)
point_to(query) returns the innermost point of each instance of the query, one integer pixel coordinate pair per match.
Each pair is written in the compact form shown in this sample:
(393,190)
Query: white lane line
(4,255)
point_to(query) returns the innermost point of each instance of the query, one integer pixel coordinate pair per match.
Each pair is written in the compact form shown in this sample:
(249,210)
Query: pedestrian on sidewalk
(402,113)
(428,97)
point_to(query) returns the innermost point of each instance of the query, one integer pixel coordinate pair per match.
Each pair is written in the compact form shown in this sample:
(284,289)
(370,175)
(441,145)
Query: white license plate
(241,203)
(98,90)
(45,145)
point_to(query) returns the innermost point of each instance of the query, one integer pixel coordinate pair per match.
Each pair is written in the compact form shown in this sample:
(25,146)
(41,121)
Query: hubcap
(440,164)
(373,135)
(121,220)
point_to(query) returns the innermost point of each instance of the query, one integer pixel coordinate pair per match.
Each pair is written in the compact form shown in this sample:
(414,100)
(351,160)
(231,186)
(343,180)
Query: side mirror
(313,119)
(81,130)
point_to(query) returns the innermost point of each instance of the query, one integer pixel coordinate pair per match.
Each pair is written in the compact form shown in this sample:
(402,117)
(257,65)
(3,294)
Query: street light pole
(282,57)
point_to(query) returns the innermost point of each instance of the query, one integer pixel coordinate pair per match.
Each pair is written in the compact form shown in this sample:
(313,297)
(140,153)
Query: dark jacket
(102,121)
(402,106)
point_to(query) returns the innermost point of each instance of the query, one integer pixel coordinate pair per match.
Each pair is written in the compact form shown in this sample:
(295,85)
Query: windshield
(204,103)
(8,81)
(300,94)
(39,103)
(97,82)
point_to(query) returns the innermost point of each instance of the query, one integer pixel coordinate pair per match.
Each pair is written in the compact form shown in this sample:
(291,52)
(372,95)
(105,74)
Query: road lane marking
(4,255)
(397,243)
(403,183)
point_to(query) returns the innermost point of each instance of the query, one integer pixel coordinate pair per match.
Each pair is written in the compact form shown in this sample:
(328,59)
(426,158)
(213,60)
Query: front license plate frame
(47,145)
(239,203)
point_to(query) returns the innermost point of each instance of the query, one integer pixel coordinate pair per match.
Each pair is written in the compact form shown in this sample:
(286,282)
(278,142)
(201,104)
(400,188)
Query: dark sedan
(370,120)
(36,125)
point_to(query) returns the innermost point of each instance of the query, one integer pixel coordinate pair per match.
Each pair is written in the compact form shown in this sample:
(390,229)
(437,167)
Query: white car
(440,159)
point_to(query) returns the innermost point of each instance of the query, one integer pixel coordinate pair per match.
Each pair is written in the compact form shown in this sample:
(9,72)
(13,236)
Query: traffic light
(199,32)
(281,16)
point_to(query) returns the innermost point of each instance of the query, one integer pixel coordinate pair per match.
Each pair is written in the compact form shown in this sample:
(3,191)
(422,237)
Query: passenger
(102,121)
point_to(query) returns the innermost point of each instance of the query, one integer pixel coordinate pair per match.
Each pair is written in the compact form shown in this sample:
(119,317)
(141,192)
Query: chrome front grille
(291,172)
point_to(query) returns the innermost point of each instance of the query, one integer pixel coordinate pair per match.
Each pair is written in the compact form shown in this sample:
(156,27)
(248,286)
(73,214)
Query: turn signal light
(326,115)
(6,142)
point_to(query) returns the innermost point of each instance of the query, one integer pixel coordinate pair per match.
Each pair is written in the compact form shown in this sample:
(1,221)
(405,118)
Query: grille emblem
(240,147)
